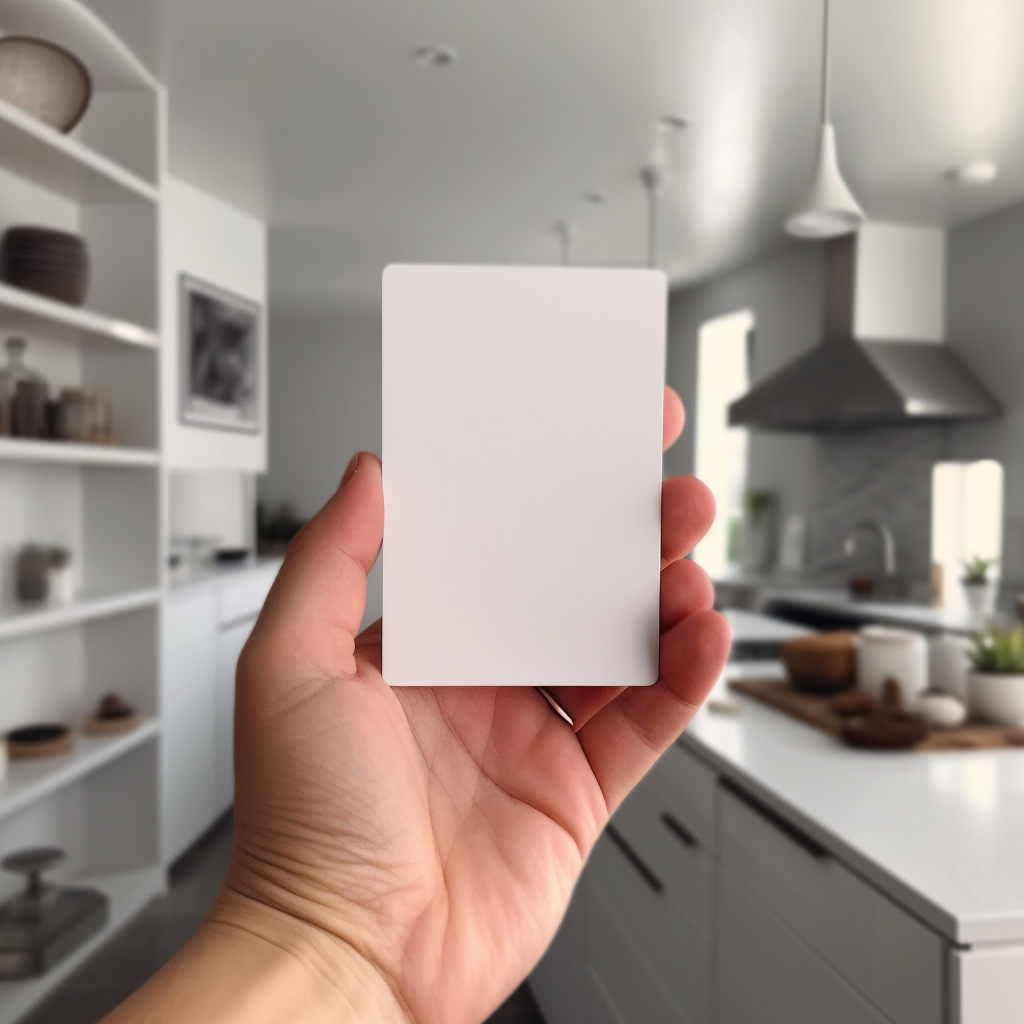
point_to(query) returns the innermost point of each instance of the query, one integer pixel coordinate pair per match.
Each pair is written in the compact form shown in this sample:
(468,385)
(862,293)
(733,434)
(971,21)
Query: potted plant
(979,590)
(996,686)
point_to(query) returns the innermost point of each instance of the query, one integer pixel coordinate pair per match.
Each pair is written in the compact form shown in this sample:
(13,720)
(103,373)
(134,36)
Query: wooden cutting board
(817,711)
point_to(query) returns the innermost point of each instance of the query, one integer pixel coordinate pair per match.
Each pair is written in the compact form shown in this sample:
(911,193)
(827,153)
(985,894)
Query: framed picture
(221,336)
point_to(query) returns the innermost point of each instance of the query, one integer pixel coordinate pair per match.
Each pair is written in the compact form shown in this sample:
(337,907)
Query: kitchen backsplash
(877,474)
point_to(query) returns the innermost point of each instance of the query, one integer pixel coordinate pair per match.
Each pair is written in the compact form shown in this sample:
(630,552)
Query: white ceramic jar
(997,697)
(887,653)
(949,663)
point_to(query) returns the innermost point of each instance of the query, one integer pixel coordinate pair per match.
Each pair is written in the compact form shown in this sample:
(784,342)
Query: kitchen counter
(213,574)
(776,595)
(940,833)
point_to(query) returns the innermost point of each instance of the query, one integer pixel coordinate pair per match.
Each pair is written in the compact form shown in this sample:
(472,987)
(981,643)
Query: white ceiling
(312,114)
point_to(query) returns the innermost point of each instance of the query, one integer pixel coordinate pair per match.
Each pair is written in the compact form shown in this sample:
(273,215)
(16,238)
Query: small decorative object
(112,715)
(84,416)
(44,80)
(948,664)
(47,740)
(899,654)
(44,923)
(852,702)
(60,576)
(884,730)
(979,591)
(996,685)
(25,414)
(47,262)
(940,710)
(221,342)
(825,663)
(32,573)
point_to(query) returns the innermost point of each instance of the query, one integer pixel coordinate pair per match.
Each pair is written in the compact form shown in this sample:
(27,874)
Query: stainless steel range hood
(885,280)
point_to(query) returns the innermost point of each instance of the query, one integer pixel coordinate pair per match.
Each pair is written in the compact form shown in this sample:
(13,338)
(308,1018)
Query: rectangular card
(522,427)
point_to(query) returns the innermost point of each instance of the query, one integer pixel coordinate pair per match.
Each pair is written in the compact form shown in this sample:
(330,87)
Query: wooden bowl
(45,740)
(47,262)
(885,730)
(826,663)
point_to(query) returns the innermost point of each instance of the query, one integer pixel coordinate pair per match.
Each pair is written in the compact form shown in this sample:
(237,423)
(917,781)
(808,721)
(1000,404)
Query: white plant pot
(948,665)
(997,697)
(981,600)
(62,586)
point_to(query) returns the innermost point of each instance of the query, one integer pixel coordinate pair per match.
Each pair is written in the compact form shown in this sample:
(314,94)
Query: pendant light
(828,208)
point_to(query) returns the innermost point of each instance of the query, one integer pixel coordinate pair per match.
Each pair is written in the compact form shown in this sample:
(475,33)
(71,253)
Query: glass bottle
(23,392)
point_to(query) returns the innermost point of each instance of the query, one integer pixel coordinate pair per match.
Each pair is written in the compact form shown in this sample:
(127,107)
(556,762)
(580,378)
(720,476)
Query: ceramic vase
(997,697)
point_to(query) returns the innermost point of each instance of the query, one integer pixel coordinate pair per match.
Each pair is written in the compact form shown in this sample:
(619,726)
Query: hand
(419,846)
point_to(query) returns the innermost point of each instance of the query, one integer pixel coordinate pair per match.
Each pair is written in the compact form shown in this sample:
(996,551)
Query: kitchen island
(765,872)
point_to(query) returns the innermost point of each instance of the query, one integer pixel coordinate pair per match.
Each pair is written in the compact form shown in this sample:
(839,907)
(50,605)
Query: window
(721,450)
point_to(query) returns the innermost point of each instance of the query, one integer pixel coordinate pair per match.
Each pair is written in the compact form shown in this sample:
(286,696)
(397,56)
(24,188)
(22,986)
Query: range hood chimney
(883,361)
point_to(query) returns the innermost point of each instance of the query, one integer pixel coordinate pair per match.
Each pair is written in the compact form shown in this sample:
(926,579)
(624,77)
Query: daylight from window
(721,450)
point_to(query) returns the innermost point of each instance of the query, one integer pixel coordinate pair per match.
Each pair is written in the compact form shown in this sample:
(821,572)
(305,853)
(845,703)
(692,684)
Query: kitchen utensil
(31,741)
(44,80)
(997,697)
(47,262)
(948,664)
(887,653)
(43,923)
(825,663)
(112,715)
(31,570)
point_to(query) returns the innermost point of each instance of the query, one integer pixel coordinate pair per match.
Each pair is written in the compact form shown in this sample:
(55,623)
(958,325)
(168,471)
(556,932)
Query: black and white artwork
(220,343)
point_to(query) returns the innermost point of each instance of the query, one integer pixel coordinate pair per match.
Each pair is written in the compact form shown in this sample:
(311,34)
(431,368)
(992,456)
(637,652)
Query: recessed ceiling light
(673,122)
(435,56)
(975,172)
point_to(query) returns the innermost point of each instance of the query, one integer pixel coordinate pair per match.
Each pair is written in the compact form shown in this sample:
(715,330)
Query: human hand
(415,849)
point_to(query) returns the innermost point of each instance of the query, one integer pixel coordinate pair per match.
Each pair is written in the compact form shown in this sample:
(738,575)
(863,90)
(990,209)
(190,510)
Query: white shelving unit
(99,802)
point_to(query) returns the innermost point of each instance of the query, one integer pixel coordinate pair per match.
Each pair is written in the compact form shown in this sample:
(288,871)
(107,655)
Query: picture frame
(221,342)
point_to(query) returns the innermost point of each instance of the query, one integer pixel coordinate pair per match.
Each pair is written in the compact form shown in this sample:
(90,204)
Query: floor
(159,931)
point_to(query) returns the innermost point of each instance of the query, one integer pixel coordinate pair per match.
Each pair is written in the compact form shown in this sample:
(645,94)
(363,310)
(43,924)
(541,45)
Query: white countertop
(942,833)
(212,574)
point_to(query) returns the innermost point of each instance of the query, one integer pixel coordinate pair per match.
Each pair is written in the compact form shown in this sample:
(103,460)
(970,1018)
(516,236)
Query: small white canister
(949,663)
(886,653)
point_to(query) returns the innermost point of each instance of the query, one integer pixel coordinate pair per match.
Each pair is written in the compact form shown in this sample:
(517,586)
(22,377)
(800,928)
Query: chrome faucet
(883,533)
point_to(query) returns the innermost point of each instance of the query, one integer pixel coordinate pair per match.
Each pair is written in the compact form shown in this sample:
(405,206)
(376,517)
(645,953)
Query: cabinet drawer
(687,788)
(673,852)
(243,598)
(769,976)
(633,995)
(676,952)
(885,952)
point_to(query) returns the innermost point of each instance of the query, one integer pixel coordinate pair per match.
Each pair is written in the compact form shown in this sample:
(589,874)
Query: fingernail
(351,471)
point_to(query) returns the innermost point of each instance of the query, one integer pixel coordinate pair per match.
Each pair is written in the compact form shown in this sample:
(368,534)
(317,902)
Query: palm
(437,831)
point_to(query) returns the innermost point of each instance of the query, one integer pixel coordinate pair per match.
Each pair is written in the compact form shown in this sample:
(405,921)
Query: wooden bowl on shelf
(47,262)
(44,740)
(826,663)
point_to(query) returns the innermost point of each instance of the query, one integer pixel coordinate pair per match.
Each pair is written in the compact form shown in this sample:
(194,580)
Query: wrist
(251,963)
(285,956)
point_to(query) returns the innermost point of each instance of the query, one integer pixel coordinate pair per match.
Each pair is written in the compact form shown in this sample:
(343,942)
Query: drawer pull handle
(634,858)
(679,830)
(796,835)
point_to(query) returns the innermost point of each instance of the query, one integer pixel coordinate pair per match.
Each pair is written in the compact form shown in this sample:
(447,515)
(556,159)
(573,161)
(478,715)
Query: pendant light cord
(826,69)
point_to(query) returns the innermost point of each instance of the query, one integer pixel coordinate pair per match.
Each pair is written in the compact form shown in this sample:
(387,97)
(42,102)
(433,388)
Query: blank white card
(522,425)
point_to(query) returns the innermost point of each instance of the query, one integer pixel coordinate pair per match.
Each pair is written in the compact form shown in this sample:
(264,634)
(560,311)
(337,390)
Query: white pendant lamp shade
(828,209)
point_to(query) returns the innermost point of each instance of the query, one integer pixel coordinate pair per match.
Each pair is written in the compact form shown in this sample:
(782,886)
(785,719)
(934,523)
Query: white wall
(783,290)
(985,317)
(211,240)
(325,405)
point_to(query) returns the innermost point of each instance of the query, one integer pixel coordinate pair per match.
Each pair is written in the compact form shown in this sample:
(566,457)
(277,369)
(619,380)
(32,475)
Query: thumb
(314,609)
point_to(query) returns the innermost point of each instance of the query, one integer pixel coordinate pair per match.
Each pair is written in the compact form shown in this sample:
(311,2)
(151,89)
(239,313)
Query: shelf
(46,157)
(26,311)
(28,781)
(28,621)
(18,449)
(128,892)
